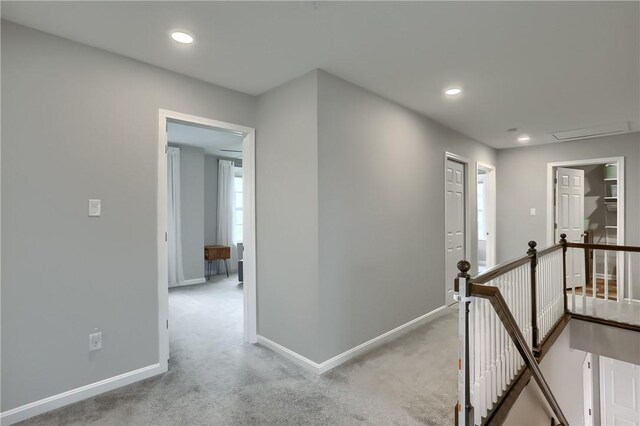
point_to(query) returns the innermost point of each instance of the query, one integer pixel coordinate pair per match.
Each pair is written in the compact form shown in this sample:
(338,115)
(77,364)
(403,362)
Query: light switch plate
(532,212)
(94,208)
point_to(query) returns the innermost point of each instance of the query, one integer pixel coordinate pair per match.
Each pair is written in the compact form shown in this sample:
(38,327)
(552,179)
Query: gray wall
(522,184)
(381,213)
(210,199)
(80,123)
(562,369)
(287,215)
(192,210)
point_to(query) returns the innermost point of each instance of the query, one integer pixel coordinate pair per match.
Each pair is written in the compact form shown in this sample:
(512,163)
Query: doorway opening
(206,232)
(456,201)
(585,201)
(486,215)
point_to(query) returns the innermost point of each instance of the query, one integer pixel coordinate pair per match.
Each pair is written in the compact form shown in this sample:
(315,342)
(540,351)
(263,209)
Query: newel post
(534,294)
(464,409)
(563,241)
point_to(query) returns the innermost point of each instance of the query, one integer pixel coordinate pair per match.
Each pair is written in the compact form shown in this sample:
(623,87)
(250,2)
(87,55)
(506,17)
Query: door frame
(249,239)
(467,222)
(491,200)
(619,162)
(588,412)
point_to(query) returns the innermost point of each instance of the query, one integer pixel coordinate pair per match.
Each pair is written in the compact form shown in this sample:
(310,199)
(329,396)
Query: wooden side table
(216,252)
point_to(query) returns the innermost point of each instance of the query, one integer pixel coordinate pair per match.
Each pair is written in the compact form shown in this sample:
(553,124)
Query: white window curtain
(226,208)
(174,233)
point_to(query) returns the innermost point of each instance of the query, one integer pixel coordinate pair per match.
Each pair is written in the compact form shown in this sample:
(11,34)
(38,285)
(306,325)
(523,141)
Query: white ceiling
(538,66)
(212,140)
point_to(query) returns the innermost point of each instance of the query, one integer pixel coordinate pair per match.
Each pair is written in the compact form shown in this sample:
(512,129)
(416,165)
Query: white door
(619,392)
(454,179)
(570,219)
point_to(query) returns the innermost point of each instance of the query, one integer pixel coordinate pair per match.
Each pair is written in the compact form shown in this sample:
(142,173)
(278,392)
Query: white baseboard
(320,368)
(295,357)
(190,282)
(60,400)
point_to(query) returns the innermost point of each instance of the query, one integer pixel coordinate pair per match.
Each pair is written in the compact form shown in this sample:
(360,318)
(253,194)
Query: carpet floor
(214,378)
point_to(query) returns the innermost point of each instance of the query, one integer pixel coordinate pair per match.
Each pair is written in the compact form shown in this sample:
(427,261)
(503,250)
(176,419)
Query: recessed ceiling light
(524,138)
(182,37)
(453,91)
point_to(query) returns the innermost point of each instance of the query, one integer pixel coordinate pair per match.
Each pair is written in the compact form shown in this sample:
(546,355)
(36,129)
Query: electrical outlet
(95,341)
(532,212)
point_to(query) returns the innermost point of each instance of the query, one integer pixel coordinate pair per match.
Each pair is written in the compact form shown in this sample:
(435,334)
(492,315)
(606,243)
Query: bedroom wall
(210,199)
(192,210)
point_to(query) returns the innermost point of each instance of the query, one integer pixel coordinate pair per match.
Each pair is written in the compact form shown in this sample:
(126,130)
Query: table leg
(226,268)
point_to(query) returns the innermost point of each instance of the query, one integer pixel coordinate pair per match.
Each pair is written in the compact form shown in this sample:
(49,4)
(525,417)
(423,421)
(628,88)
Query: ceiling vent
(592,132)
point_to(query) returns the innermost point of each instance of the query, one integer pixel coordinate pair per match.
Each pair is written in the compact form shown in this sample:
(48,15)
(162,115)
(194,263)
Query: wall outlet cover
(95,341)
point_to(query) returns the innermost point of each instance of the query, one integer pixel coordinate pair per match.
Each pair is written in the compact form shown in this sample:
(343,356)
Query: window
(238,220)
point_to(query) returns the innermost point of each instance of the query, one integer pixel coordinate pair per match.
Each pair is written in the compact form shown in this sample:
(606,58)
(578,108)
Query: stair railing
(505,315)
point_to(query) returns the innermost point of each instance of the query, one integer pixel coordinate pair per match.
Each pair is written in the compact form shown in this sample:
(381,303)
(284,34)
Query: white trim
(249,285)
(467,219)
(189,282)
(249,277)
(292,356)
(491,210)
(587,386)
(619,161)
(65,398)
(321,368)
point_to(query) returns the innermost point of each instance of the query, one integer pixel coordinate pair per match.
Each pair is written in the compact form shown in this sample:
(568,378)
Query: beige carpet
(215,378)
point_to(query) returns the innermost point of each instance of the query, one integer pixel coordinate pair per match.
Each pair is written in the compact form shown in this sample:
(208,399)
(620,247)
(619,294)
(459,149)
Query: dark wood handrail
(501,269)
(549,250)
(493,295)
(505,267)
(610,247)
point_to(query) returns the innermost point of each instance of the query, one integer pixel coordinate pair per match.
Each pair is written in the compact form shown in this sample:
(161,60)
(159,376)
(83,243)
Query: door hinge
(167,324)
(589,411)
(555,226)
(588,364)
(555,180)
(166,149)
(165,236)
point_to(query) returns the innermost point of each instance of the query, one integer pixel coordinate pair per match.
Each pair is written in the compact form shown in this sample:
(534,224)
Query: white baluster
(594,281)
(606,275)
(494,376)
(630,281)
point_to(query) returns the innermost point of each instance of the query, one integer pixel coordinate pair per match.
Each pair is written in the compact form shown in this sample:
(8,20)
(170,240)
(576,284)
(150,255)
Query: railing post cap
(532,245)
(563,238)
(463,267)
